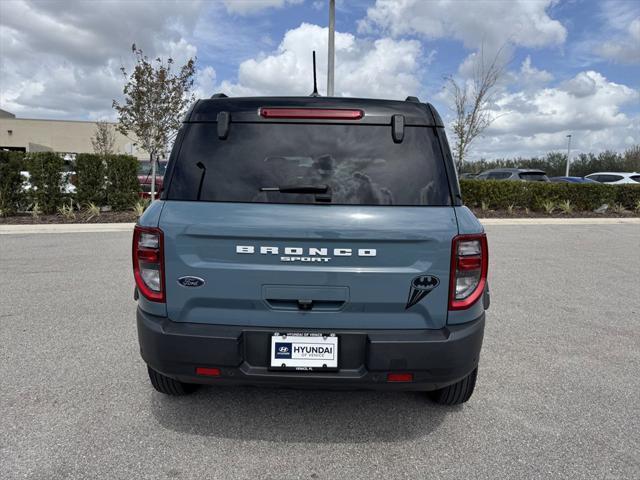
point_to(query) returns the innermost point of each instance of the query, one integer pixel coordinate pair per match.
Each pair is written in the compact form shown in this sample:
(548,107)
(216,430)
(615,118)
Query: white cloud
(61,59)
(588,101)
(493,23)
(382,68)
(625,47)
(249,7)
(529,76)
(588,106)
(205,82)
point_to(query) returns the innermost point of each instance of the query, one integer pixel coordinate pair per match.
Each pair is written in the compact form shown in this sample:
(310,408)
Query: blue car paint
(353,224)
(409,241)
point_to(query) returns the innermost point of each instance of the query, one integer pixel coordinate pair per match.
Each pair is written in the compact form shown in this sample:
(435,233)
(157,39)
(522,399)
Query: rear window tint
(498,175)
(533,177)
(360,164)
(144,168)
(609,178)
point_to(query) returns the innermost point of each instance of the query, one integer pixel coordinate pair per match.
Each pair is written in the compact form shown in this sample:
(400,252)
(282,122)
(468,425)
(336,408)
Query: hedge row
(47,182)
(11,163)
(555,163)
(110,180)
(533,195)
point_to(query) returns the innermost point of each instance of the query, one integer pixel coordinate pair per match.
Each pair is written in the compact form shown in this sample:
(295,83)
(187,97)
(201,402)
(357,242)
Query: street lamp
(332,48)
(568,154)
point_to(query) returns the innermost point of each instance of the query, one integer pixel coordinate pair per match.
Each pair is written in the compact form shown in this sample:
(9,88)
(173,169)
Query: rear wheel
(457,393)
(169,386)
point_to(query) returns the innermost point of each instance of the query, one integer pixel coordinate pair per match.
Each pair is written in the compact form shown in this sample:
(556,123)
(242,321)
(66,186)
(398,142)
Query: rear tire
(457,393)
(169,386)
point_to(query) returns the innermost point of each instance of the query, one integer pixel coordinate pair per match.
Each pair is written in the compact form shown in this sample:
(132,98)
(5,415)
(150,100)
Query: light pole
(568,154)
(332,47)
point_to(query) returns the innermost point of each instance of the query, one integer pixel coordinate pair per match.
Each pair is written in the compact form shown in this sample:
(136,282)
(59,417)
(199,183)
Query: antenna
(315,83)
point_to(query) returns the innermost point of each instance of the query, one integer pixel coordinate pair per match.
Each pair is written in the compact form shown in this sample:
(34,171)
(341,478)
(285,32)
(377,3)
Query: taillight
(148,262)
(469,265)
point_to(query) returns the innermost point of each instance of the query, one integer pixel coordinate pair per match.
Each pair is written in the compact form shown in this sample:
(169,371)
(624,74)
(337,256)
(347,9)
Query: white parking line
(127,227)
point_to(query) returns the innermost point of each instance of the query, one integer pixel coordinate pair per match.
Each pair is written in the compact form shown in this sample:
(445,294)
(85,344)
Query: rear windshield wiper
(297,189)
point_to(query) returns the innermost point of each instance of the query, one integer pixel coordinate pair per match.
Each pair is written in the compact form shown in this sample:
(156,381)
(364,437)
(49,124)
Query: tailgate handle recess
(305,304)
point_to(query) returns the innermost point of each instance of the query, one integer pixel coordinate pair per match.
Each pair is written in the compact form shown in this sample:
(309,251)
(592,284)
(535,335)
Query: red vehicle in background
(145,177)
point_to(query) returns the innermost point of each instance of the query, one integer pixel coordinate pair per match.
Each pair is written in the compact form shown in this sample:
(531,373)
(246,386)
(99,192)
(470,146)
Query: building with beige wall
(64,136)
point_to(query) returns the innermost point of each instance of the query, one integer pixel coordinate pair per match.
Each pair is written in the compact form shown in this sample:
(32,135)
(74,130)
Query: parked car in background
(468,176)
(571,180)
(68,179)
(517,174)
(615,178)
(145,177)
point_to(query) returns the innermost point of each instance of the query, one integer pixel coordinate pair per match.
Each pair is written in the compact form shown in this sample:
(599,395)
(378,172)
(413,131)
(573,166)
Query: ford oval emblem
(191,281)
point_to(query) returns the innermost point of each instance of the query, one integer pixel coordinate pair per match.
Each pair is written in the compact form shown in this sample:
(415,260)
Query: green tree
(157,94)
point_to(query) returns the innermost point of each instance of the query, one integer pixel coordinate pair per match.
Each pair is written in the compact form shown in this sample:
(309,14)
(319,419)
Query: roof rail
(219,95)
(412,99)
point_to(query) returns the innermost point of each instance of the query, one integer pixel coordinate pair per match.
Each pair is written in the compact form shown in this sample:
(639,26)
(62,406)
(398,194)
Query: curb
(128,227)
(560,221)
(66,228)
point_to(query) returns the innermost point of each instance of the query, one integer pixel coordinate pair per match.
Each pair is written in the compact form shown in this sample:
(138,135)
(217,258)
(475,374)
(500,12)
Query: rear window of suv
(533,177)
(360,164)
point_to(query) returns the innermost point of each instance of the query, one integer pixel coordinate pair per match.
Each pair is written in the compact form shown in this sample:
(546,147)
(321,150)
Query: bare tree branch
(104,140)
(472,102)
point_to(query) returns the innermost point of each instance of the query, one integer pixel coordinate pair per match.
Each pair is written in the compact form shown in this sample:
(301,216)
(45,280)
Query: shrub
(549,206)
(566,207)
(90,174)
(93,211)
(11,193)
(141,205)
(627,195)
(67,211)
(122,181)
(538,195)
(45,169)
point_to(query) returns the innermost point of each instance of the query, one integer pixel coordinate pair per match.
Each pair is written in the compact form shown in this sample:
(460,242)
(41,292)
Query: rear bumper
(436,358)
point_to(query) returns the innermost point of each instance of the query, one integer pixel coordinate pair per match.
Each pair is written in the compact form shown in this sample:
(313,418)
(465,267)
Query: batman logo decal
(420,287)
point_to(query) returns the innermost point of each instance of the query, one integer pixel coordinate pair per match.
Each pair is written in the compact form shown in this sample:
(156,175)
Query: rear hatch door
(372,250)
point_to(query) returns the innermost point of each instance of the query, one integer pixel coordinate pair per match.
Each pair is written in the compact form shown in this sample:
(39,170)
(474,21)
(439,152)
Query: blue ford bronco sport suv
(311,242)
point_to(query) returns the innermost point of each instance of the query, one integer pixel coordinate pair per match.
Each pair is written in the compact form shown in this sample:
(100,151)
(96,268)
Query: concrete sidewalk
(126,227)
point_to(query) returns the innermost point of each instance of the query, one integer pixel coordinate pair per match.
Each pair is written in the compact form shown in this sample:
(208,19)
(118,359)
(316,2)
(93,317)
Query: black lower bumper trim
(436,358)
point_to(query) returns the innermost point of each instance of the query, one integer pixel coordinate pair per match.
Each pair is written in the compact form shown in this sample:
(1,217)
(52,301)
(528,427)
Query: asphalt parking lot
(557,397)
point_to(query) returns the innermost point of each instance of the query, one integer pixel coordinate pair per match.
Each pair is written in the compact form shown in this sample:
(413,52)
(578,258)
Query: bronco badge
(420,287)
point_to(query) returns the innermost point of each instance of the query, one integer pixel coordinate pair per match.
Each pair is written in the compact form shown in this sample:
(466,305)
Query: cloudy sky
(574,64)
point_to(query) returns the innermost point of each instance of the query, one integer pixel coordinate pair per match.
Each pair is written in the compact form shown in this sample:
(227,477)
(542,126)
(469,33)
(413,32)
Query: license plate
(304,351)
